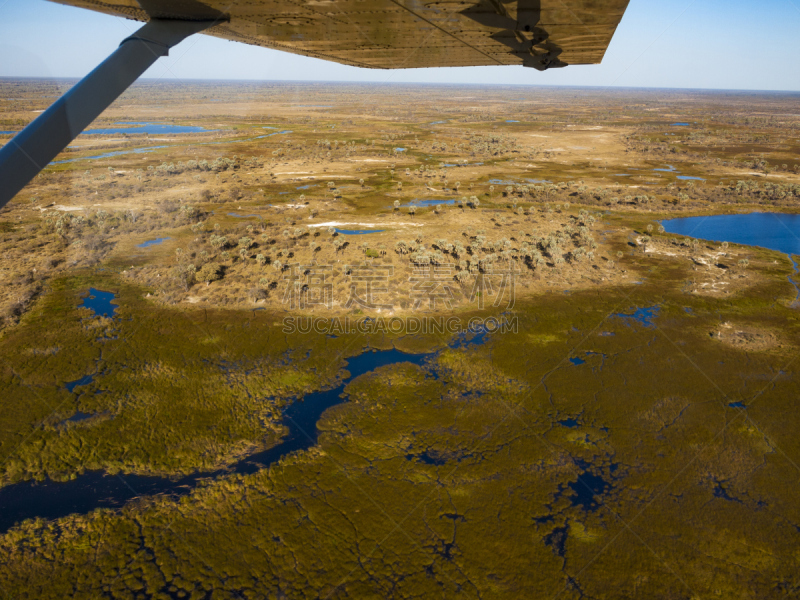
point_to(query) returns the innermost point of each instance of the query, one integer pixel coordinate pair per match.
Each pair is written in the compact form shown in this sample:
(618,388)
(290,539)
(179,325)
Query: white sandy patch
(63,208)
(320,176)
(652,250)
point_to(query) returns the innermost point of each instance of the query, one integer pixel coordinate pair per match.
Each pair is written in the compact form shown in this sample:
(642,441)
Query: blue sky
(710,44)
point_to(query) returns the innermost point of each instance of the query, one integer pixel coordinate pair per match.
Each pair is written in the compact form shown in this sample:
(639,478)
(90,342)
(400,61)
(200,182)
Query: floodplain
(612,412)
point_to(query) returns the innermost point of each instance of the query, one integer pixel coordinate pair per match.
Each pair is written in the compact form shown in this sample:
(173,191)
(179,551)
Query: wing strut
(32,149)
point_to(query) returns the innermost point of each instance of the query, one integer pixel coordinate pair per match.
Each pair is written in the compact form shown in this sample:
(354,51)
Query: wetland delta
(167,432)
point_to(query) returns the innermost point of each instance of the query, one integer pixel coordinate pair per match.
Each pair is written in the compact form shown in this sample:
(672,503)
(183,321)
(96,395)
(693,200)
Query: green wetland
(488,470)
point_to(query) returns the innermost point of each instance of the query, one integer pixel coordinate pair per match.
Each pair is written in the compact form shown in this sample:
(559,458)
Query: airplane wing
(378,34)
(394,34)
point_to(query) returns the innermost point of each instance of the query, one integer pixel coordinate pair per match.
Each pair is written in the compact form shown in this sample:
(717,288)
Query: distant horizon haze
(167,80)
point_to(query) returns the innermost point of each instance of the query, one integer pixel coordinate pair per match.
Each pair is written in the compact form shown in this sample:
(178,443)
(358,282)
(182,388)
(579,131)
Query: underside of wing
(394,34)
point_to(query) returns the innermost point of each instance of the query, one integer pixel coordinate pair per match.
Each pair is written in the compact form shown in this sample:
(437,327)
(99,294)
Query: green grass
(361,515)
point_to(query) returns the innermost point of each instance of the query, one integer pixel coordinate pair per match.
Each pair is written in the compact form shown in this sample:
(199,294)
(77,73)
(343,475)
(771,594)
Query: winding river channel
(98,489)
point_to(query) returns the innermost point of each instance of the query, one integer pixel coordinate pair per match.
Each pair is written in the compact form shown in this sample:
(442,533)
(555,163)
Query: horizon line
(411,83)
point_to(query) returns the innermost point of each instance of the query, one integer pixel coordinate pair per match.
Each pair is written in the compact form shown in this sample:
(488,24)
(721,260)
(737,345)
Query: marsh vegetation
(634,438)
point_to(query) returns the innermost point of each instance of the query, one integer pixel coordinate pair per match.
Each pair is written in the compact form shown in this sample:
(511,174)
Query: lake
(775,231)
(149,128)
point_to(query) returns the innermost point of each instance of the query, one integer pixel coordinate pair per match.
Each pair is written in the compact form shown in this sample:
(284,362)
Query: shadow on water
(77,417)
(86,380)
(587,490)
(643,316)
(97,489)
(721,492)
(557,540)
(427,458)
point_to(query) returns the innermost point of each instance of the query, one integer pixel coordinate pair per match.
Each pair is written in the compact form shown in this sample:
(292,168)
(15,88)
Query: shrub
(209,272)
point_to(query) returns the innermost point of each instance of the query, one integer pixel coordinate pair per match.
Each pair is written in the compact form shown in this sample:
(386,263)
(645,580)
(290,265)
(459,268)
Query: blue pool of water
(643,316)
(238,216)
(71,385)
(307,187)
(422,203)
(154,242)
(358,231)
(78,416)
(577,361)
(680,124)
(437,122)
(590,487)
(110,154)
(151,128)
(672,169)
(427,459)
(571,423)
(100,302)
(258,137)
(511,121)
(737,405)
(400,149)
(505,182)
(775,231)
(7,132)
